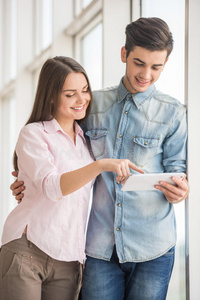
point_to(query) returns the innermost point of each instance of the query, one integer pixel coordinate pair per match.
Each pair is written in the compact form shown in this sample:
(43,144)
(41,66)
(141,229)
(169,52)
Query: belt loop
(28,242)
(30,245)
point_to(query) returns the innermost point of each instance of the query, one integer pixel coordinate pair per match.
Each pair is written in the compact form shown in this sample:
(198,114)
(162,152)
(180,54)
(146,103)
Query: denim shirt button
(120,135)
(118,229)
(118,204)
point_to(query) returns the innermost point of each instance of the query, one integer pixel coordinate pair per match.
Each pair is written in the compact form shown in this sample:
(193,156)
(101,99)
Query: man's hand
(174,194)
(17,188)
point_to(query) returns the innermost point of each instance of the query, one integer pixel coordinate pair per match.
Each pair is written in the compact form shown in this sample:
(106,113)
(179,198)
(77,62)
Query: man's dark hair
(152,34)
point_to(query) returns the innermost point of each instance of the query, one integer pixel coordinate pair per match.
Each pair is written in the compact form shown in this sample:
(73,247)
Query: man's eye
(137,64)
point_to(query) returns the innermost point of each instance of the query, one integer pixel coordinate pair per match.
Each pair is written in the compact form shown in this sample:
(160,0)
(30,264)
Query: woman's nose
(81,98)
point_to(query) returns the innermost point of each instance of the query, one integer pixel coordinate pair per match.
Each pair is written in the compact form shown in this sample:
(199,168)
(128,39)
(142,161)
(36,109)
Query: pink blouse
(55,223)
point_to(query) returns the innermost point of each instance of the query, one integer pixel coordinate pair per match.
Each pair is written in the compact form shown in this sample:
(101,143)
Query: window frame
(38,27)
(79,6)
(80,35)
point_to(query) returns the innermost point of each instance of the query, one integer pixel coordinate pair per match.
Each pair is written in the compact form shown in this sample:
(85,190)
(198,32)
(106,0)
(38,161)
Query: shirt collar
(53,126)
(139,98)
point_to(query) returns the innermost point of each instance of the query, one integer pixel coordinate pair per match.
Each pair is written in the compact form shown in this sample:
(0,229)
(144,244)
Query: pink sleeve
(36,162)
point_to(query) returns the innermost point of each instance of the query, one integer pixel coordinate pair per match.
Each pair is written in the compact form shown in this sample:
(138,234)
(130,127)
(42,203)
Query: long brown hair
(51,80)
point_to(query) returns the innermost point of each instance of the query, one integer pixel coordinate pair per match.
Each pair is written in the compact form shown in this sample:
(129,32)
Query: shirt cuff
(51,187)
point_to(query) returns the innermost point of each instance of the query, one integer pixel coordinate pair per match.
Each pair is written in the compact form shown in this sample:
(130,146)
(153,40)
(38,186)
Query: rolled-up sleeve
(175,145)
(36,162)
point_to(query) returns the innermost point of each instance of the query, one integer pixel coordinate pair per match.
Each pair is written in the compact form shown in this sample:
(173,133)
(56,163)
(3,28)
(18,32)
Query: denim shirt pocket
(98,141)
(144,149)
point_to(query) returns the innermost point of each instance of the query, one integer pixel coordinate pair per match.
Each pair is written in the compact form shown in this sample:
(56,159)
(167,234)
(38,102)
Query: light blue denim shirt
(149,129)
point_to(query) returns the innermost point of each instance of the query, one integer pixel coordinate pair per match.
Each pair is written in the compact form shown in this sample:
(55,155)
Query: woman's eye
(86,91)
(68,96)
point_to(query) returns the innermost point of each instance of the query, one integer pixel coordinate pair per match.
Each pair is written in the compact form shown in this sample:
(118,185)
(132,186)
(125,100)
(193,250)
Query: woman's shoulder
(31,130)
(33,127)
(31,135)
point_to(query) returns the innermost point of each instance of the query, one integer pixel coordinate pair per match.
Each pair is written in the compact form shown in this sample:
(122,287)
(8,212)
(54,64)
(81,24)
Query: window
(13,39)
(172,83)
(89,51)
(92,56)
(80,5)
(85,3)
(43,26)
(46,23)
(8,140)
(172,79)
(8,41)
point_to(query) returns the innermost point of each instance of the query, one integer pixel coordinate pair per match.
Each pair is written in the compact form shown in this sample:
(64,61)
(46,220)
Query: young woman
(44,237)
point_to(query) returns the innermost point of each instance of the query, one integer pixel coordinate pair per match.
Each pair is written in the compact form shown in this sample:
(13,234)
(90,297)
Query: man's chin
(141,89)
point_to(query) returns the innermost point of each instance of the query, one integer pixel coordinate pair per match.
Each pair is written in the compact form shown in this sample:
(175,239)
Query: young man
(131,235)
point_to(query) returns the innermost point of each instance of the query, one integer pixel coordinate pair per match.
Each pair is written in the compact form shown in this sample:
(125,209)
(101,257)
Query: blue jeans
(111,280)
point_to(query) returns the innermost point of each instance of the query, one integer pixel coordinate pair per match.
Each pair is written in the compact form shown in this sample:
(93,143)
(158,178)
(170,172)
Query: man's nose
(146,73)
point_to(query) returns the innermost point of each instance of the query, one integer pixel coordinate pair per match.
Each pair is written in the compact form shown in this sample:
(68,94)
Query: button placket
(80,227)
(119,147)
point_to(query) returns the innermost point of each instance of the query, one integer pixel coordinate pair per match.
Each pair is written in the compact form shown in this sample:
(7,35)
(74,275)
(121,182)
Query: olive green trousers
(27,273)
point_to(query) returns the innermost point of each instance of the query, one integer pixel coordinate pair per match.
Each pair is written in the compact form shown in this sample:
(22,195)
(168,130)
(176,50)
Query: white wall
(114,39)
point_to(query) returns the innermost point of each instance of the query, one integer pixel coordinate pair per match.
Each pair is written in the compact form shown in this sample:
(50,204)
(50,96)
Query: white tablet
(143,182)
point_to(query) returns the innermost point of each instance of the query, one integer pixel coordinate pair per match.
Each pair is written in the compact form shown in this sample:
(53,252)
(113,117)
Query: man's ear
(123,54)
(166,61)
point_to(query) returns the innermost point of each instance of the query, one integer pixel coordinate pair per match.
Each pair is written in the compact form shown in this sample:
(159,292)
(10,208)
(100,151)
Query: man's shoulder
(104,98)
(107,90)
(168,100)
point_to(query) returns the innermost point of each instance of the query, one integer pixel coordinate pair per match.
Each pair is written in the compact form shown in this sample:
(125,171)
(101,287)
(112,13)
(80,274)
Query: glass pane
(46,23)
(172,83)
(173,12)
(91,52)
(13,38)
(12,142)
(8,141)
(86,3)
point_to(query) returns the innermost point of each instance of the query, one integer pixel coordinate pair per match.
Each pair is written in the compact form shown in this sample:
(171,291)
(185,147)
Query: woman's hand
(82,176)
(120,166)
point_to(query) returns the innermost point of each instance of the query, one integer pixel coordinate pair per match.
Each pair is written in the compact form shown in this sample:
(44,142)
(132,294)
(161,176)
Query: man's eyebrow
(142,62)
(71,90)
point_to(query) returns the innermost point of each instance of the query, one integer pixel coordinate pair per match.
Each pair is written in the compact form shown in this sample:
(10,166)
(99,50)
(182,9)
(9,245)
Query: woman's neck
(69,128)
